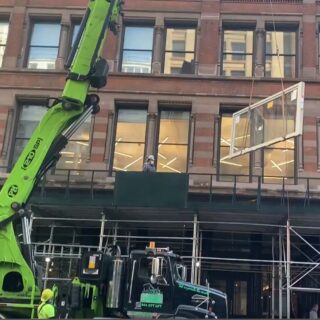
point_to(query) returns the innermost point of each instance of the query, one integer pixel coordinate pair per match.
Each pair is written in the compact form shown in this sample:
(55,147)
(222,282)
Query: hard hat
(150,157)
(46,295)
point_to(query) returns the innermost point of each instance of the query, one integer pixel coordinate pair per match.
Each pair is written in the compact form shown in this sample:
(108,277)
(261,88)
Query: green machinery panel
(139,189)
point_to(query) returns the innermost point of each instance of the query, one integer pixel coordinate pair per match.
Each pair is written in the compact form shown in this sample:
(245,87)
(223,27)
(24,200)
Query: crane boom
(85,69)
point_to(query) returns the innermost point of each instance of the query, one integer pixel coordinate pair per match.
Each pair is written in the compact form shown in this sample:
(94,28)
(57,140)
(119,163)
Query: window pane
(138,38)
(76,28)
(279,162)
(172,158)
(285,42)
(283,66)
(237,38)
(178,64)
(128,156)
(30,116)
(45,34)
(74,156)
(180,39)
(83,133)
(18,148)
(2,48)
(131,125)
(174,127)
(234,64)
(42,58)
(136,61)
(4,28)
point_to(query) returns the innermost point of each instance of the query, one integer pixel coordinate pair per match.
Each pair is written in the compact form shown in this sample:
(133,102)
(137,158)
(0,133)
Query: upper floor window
(4,27)
(237,52)
(75,30)
(137,49)
(239,165)
(179,51)
(129,142)
(76,151)
(173,141)
(44,45)
(280,54)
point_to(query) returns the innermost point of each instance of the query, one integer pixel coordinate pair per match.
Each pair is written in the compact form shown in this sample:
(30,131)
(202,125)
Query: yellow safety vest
(46,311)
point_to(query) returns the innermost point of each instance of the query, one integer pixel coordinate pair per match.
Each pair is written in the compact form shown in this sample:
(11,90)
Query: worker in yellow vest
(46,309)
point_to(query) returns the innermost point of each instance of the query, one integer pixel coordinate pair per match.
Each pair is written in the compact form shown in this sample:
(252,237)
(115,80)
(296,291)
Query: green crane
(19,290)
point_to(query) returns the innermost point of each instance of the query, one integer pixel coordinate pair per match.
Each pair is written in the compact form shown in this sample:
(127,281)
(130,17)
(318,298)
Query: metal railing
(209,186)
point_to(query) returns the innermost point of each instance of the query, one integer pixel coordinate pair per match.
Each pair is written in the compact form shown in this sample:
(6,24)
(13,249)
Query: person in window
(46,309)
(149,164)
(313,313)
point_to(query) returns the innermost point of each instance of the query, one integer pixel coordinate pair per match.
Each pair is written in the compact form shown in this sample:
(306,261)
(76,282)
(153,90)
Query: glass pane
(45,34)
(140,38)
(136,61)
(2,48)
(74,156)
(29,118)
(236,166)
(283,66)
(42,58)
(236,39)
(240,298)
(76,28)
(83,133)
(178,64)
(18,148)
(128,156)
(285,42)
(174,127)
(172,158)
(180,39)
(237,64)
(131,125)
(4,28)
(279,163)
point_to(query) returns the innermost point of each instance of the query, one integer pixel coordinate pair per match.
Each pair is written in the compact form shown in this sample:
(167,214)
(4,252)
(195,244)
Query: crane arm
(65,115)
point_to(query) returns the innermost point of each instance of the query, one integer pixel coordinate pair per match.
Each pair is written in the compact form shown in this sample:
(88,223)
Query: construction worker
(149,164)
(46,309)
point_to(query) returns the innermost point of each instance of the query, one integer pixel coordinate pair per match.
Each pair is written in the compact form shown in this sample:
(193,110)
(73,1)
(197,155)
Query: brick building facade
(178,69)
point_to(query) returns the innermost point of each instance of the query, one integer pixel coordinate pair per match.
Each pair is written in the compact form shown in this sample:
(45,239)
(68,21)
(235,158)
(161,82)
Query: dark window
(137,49)
(129,142)
(280,56)
(44,45)
(173,141)
(4,27)
(12,282)
(237,52)
(179,51)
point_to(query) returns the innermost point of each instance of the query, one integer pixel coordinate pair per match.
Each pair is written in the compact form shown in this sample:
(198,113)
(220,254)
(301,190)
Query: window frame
(238,26)
(125,106)
(33,22)
(175,108)
(140,24)
(182,26)
(282,27)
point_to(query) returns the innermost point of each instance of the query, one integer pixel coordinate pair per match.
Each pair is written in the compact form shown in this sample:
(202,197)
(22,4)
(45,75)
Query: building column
(259,58)
(157,49)
(151,133)
(63,44)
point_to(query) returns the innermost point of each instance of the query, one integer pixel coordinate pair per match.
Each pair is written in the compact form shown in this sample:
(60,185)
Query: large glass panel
(137,50)
(280,54)
(237,53)
(179,52)
(239,165)
(279,161)
(240,298)
(174,127)
(173,141)
(4,28)
(129,140)
(44,45)
(172,158)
